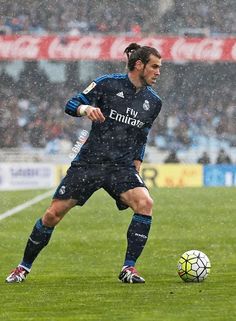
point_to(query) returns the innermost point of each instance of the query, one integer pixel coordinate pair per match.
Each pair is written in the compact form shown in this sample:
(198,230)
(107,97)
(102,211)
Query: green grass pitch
(75,277)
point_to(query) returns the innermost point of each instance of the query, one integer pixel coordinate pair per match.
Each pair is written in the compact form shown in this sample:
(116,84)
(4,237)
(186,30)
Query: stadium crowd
(198,110)
(200,106)
(80,16)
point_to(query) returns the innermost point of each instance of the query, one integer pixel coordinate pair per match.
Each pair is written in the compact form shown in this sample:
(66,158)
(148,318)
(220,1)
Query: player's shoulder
(154,94)
(110,77)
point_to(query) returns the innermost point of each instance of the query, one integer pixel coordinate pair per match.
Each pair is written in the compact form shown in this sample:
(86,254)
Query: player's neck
(135,81)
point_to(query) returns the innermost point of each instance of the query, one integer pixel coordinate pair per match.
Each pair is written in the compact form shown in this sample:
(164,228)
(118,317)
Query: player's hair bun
(136,52)
(131,48)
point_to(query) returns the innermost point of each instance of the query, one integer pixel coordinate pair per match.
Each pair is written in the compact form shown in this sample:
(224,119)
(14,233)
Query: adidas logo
(141,235)
(120,94)
(34,242)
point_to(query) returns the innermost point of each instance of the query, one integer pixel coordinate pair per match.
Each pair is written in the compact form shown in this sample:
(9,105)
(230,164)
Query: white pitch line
(22,206)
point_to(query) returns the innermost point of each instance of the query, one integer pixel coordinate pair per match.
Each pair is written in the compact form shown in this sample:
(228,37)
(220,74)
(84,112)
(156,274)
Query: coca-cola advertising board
(99,47)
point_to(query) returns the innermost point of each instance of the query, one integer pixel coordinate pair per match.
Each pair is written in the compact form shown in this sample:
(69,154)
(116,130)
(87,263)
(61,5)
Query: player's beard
(143,80)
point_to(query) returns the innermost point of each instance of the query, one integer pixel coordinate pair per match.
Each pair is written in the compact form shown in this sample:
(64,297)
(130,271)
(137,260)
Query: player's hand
(95,114)
(137,164)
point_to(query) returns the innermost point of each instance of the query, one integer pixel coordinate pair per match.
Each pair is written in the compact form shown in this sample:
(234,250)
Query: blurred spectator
(204,159)
(172,158)
(223,157)
(136,29)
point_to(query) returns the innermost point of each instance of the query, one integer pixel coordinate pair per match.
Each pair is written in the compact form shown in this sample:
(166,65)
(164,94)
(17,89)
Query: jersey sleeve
(141,145)
(89,96)
(142,139)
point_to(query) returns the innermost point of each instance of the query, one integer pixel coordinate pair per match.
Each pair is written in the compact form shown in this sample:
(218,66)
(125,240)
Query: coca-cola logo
(120,43)
(112,48)
(24,47)
(206,49)
(78,48)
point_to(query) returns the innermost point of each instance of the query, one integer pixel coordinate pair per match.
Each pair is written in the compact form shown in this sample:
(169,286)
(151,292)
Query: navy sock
(38,239)
(137,236)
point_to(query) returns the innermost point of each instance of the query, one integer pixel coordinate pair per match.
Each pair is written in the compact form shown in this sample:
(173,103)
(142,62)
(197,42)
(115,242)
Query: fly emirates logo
(129,118)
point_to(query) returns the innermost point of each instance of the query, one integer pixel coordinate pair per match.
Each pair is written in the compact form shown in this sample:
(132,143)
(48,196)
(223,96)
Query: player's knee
(51,217)
(144,205)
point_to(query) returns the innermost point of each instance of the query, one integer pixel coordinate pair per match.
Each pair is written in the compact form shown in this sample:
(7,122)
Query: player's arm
(81,104)
(139,155)
(137,164)
(140,148)
(142,139)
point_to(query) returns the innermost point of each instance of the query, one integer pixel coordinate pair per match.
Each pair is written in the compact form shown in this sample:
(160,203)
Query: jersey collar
(131,85)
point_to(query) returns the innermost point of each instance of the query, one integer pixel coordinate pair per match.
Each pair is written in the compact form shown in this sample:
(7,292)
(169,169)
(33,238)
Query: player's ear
(139,65)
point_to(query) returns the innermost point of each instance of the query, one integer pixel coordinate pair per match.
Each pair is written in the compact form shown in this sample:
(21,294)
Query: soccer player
(122,108)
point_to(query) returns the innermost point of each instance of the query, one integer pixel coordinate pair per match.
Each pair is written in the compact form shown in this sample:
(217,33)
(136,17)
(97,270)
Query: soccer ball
(194,266)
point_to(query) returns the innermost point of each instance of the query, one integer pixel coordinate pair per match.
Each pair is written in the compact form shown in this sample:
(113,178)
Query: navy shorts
(81,182)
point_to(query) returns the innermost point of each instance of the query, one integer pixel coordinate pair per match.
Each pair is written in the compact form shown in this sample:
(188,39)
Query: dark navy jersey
(129,114)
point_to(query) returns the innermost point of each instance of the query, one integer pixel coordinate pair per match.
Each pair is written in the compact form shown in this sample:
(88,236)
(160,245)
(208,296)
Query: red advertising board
(100,47)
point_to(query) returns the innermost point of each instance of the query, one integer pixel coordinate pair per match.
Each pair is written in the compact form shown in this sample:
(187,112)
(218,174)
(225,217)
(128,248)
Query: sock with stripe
(38,239)
(137,236)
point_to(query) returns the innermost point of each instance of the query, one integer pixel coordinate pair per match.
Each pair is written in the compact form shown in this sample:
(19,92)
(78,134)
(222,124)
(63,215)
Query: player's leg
(40,237)
(129,190)
(140,201)
(43,229)
(75,189)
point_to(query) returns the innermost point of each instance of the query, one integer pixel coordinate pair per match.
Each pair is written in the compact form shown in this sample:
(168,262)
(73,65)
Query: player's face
(151,71)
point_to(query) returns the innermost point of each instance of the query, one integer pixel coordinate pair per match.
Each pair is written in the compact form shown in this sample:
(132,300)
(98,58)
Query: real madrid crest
(146,105)
(62,190)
